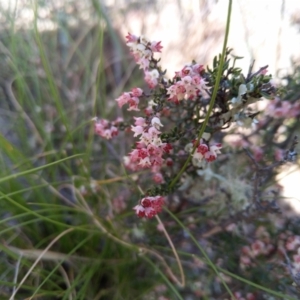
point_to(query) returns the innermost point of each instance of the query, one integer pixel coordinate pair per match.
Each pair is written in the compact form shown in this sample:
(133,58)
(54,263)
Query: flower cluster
(105,128)
(250,253)
(256,151)
(131,98)
(149,206)
(203,152)
(191,87)
(263,246)
(188,84)
(142,51)
(283,109)
(150,149)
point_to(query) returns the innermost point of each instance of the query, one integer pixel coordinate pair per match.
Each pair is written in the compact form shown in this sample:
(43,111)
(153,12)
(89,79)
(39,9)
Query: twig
(182,284)
(295,277)
(37,261)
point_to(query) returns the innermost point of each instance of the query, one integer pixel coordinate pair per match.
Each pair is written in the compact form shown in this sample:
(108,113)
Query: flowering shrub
(223,154)
(172,112)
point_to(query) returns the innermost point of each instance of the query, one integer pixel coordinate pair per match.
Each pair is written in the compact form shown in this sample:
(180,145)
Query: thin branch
(38,260)
(182,284)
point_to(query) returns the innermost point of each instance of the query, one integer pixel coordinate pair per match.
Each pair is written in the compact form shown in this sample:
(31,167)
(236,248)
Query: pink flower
(137,130)
(169,162)
(140,210)
(295,111)
(215,149)
(258,247)
(246,250)
(143,62)
(245,261)
(209,156)
(209,153)
(189,87)
(176,92)
(123,99)
(156,46)
(279,109)
(145,162)
(142,51)
(143,153)
(148,152)
(148,111)
(105,129)
(186,80)
(131,38)
(167,147)
(250,296)
(139,121)
(151,78)
(156,122)
(158,178)
(187,70)
(202,148)
(137,92)
(133,103)
(200,83)
(196,80)
(180,90)
(172,91)
(118,120)
(153,132)
(146,138)
(149,206)
(197,68)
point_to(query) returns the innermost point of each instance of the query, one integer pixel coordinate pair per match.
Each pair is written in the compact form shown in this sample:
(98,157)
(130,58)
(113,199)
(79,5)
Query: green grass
(58,243)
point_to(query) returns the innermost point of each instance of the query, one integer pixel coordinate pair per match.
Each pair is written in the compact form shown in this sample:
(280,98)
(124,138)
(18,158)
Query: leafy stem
(213,97)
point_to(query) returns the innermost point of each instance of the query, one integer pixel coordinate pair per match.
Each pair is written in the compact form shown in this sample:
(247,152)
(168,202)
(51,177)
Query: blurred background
(267,31)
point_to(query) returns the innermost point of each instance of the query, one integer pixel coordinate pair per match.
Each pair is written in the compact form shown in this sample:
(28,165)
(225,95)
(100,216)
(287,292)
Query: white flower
(152,103)
(153,74)
(141,48)
(144,40)
(157,142)
(197,160)
(242,91)
(137,130)
(188,147)
(155,122)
